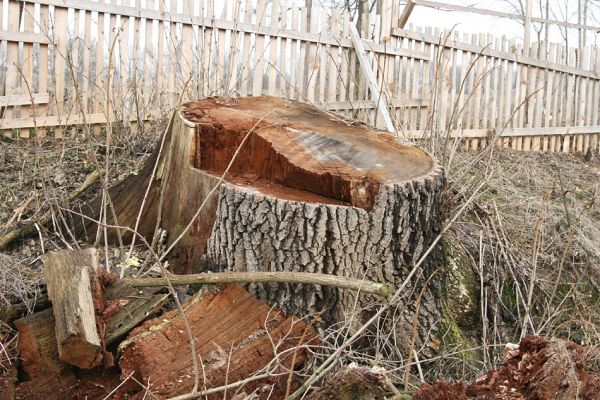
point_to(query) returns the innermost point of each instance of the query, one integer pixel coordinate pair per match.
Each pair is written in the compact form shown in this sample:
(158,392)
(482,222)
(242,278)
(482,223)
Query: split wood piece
(126,307)
(266,277)
(68,279)
(234,336)
(45,375)
(307,192)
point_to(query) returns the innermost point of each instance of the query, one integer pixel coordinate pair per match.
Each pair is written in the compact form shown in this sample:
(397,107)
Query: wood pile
(83,346)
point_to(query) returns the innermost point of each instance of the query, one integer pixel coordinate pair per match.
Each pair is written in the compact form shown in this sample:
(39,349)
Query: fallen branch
(30,228)
(266,277)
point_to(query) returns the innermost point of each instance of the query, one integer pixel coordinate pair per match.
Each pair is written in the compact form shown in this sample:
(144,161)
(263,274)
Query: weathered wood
(376,94)
(68,279)
(234,336)
(46,376)
(9,313)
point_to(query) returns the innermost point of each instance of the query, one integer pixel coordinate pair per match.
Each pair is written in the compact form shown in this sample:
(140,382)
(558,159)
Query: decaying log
(45,375)
(235,336)
(305,193)
(68,279)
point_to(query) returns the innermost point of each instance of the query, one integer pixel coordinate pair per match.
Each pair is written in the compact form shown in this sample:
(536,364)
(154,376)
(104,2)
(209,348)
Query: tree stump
(306,191)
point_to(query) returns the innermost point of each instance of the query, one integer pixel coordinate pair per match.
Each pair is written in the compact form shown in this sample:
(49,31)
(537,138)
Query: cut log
(45,376)
(68,279)
(235,338)
(306,192)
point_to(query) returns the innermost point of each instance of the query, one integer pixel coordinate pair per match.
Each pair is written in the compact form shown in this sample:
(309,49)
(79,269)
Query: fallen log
(264,184)
(236,336)
(69,276)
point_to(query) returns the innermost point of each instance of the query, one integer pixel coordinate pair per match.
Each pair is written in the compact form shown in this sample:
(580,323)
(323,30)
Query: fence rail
(69,63)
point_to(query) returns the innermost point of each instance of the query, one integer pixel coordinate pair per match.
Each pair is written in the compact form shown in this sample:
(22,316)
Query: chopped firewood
(235,337)
(46,376)
(68,275)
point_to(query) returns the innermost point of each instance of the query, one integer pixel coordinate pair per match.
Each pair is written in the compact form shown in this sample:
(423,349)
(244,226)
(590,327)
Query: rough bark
(235,336)
(68,279)
(306,193)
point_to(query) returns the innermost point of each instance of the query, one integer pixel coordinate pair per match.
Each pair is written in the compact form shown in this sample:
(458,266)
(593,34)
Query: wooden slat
(56,121)
(272,66)
(24,99)
(245,87)
(259,51)
(511,132)
(24,37)
(366,69)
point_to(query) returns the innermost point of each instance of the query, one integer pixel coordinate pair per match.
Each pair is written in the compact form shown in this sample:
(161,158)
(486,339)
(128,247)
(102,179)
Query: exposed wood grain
(234,338)
(69,276)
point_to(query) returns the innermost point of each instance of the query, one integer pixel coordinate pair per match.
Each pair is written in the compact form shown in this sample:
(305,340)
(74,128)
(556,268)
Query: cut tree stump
(307,192)
(69,276)
(235,338)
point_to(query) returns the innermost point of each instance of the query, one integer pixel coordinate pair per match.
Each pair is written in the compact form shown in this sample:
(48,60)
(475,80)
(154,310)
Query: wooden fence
(71,64)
